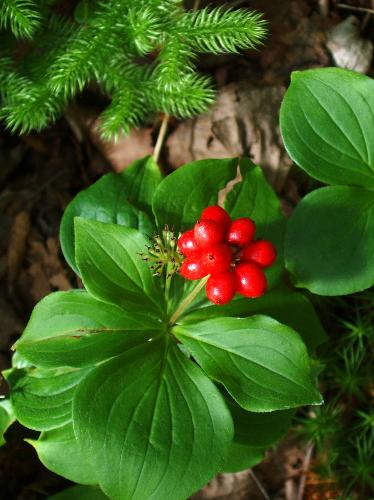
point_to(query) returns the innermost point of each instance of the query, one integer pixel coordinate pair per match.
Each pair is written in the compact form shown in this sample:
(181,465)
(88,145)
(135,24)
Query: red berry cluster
(225,250)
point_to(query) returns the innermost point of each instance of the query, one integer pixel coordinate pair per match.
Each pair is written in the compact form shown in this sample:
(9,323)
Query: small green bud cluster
(163,253)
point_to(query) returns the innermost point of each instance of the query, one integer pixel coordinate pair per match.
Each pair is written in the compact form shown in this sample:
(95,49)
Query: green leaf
(183,195)
(242,457)
(330,241)
(41,399)
(327,124)
(259,430)
(142,178)
(254,433)
(74,329)
(169,426)
(80,493)
(123,199)
(6,418)
(112,269)
(18,361)
(58,450)
(253,197)
(263,364)
(283,304)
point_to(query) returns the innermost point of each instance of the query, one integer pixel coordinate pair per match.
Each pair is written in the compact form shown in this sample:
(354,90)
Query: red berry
(216,259)
(187,244)
(261,252)
(250,280)
(241,232)
(218,214)
(192,268)
(221,288)
(208,233)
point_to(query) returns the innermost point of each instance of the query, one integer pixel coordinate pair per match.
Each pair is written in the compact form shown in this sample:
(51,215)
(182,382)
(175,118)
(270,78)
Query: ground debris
(348,48)
(243,122)
(17,245)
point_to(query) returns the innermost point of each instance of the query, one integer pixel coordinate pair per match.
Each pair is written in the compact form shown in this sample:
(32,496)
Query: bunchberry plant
(138,383)
(327,122)
(140,54)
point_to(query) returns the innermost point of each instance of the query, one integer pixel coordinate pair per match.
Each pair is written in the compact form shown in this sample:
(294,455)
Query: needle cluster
(142,55)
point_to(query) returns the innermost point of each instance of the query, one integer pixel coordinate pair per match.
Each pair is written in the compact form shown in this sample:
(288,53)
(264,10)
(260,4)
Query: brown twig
(352,7)
(305,469)
(324,7)
(367,18)
(258,484)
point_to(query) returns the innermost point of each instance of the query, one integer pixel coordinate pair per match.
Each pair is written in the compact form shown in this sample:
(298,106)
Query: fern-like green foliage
(22,16)
(141,54)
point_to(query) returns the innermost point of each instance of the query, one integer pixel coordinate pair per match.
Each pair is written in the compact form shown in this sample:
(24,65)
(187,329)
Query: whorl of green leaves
(142,56)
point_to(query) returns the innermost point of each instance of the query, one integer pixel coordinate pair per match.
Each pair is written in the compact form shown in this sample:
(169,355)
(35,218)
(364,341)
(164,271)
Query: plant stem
(167,281)
(324,7)
(196,5)
(187,301)
(165,120)
(85,11)
(305,469)
(161,137)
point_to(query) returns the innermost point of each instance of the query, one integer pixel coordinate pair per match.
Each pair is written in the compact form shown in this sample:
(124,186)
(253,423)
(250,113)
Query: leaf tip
(31,442)
(295,75)
(318,401)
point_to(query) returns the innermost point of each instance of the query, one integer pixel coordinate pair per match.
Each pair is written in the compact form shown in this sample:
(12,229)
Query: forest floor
(41,173)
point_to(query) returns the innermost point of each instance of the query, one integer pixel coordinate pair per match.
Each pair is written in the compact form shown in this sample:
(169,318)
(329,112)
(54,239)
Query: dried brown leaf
(17,245)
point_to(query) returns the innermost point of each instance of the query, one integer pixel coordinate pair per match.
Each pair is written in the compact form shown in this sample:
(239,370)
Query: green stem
(167,281)
(187,301)
(85,11)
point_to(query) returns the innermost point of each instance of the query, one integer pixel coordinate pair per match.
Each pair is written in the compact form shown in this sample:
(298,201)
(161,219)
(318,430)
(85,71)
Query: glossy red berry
(241,232)
(216,259)
(218,214)
(192,268)
(187,244)
(261,252)
(208,233)
(250,280)
(221,288)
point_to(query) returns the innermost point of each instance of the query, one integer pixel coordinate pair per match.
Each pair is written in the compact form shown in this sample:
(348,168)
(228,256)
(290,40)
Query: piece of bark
(46,271)
(17,245)
(243,122)
(126,149)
